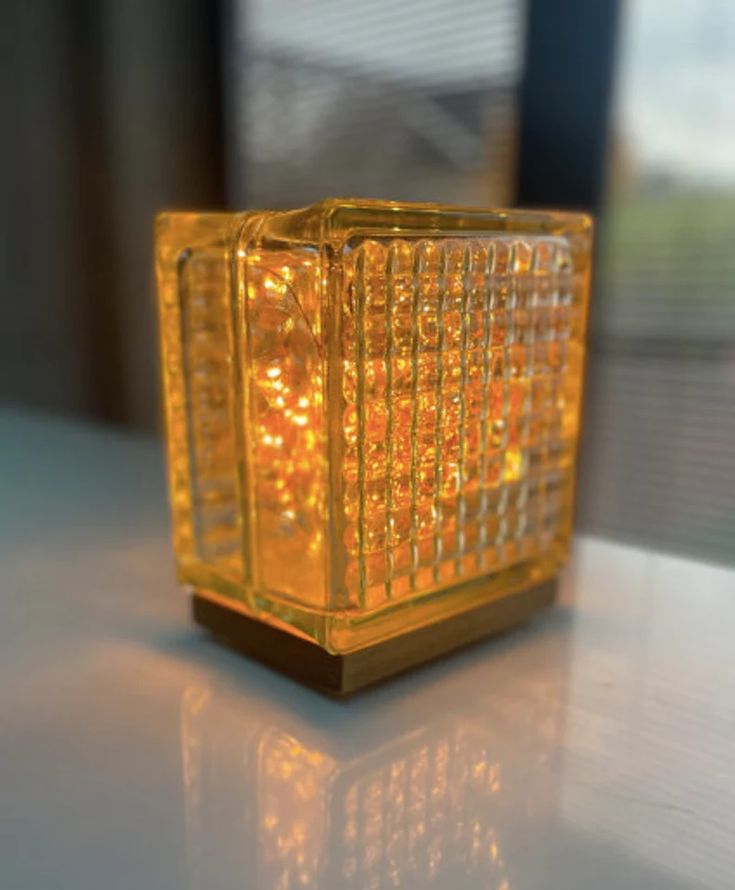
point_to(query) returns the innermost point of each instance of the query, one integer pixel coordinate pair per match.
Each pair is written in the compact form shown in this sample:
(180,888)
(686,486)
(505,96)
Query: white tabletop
(593,749)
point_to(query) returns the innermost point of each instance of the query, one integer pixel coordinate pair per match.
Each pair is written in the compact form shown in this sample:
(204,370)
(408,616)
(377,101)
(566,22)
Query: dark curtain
(112,110)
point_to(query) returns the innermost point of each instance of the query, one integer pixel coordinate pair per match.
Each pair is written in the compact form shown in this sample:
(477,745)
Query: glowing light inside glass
(368,404)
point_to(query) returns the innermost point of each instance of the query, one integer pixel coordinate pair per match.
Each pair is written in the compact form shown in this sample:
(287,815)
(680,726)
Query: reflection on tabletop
(592,748)
(389,790)
(547,755)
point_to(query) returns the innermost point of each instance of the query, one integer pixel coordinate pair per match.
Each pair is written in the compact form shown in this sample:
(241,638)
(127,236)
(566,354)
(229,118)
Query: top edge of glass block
(346,213)
(336,219)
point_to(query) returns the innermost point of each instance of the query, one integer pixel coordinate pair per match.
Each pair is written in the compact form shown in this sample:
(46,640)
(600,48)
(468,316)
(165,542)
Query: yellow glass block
(372,413)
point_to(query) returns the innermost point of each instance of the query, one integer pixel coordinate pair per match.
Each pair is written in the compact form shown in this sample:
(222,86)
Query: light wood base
(344,674)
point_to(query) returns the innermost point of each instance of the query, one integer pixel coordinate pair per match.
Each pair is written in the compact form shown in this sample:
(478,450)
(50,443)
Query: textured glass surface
(370,405)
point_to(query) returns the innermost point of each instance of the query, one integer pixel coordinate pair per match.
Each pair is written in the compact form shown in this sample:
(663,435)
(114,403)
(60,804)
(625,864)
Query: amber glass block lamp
(372,418)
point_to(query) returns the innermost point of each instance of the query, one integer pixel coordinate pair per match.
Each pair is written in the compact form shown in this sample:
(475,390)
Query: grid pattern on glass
(401,820)
(207,359)
(392,395)
(461,361)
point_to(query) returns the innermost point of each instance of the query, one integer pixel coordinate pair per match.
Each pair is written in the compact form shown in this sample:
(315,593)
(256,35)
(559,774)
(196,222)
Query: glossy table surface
(594,748)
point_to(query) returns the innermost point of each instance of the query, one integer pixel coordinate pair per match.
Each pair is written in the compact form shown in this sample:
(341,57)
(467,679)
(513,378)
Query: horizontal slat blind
(413,100)
(659,455)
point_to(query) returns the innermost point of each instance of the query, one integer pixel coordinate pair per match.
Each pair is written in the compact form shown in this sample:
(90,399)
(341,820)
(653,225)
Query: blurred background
(115,109)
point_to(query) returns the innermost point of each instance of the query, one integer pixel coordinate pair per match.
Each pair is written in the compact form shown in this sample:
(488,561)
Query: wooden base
(344,674)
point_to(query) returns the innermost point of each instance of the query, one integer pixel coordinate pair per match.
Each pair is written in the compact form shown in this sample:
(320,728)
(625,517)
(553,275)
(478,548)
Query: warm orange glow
(367,403)
(410,811)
